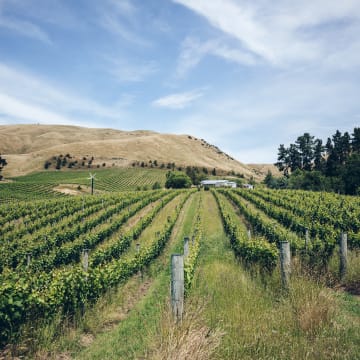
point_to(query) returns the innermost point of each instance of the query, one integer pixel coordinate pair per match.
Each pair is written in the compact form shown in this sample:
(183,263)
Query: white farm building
(218,183)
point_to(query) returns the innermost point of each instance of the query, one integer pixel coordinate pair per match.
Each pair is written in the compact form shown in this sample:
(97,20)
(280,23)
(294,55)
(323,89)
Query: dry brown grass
(351,281)
(188,339)
(313,307)
(315,312)
(27,147)
(262,169)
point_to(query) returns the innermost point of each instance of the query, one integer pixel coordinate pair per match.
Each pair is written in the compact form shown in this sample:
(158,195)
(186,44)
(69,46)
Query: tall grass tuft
(351,281)
(189,339)
(313,307)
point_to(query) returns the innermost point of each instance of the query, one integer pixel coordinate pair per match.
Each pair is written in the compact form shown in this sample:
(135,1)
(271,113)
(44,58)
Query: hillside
(27,147)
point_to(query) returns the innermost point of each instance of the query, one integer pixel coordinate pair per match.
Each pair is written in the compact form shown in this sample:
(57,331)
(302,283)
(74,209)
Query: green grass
(135,334)
(258,319)
(232,312)
(124,321)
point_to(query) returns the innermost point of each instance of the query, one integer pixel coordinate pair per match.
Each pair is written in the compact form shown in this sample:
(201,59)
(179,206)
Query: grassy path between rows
(257,319)
(133,336)
(231,313)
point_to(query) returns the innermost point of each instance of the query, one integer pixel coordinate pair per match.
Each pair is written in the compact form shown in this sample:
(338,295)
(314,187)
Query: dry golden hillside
(263,169)
(27,147)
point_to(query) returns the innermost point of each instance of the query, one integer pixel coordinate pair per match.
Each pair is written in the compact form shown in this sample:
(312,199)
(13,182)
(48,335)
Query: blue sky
(244,75)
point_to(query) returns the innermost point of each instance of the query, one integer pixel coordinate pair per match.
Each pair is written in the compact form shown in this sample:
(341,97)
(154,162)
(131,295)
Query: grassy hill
(27,147)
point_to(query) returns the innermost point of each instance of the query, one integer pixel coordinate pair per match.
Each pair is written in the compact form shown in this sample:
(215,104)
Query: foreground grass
(231,312)
(257,319)
(133,336)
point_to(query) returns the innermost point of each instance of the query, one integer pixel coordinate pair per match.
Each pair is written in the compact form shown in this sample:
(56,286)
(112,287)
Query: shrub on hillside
(177,180)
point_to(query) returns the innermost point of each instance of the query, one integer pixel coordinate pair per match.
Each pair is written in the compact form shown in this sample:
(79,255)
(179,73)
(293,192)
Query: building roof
(213,182)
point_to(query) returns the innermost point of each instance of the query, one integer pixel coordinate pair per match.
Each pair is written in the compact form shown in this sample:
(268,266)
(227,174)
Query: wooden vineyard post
(307,239)
(285,263)
(28,259)
(186,247)
(85,259)
(177,286)
(249,233)
(343,255)
(92,178)
(137,254)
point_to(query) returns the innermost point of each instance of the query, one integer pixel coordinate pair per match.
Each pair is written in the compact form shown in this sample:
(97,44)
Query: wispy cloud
(124,7)
(193,51)
(120,19)
(178,100)
(26,97)
(280,32)
(20,110)
(124,71)
(24,28)
(275,109)
(55,12)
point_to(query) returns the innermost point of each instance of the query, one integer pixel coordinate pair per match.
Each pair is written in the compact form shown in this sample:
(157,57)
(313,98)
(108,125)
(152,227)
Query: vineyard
(60,255)
(43,185)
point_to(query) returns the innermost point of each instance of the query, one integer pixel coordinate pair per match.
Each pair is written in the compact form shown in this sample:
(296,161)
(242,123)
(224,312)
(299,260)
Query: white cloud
(24,28)
(17,109)
(193,51)
(124,7)
(124,71)
(252,118)
(120,19)
(24,96)
(178,100)
(55,12)
(281,32)
(113,25)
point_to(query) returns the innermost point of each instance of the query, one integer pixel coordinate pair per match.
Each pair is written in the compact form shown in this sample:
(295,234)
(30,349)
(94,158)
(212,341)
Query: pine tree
(305,146)
(283,159)
(355,141)
(318,155)
(3,163)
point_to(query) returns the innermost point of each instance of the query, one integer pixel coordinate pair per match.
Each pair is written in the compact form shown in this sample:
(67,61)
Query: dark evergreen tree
(334,166)
(305,147)
(3,163)
(345,148)
(318,155)
(355,141)
(295,160)
(332,159)
(270,181)
(58,163)
(283,160)
(351,175)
